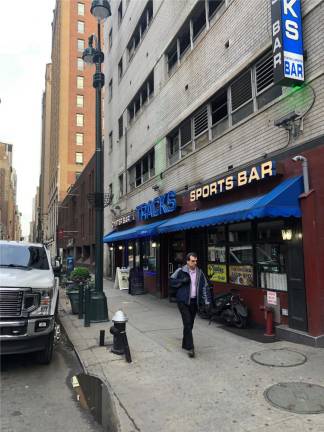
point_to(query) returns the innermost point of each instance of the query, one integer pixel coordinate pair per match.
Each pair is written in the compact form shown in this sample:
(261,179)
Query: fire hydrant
(118,330)
(268,315)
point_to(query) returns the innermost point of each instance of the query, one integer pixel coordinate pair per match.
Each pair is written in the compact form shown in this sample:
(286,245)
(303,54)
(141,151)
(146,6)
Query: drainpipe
(304,162)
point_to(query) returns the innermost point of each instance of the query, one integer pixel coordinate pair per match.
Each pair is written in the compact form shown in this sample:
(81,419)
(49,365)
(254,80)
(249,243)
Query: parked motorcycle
(228,307)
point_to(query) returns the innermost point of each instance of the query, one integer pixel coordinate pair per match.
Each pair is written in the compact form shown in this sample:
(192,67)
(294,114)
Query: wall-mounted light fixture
(120,247)
(286,234)
(111,248)
(153,244)
(130,247)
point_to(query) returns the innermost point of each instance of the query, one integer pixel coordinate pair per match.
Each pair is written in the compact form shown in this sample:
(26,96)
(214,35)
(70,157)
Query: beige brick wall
(247,26)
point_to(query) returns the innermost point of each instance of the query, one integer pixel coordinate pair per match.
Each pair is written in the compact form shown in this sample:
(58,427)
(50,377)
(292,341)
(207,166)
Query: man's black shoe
(191,353)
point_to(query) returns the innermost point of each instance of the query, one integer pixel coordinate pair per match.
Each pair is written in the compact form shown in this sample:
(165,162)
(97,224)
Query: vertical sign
(287,42)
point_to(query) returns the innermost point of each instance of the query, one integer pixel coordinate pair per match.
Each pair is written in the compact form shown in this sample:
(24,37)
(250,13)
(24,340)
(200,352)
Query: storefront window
(240,232)
(216,267)
(270,256)
(137,254)
(149,255)
(131,254)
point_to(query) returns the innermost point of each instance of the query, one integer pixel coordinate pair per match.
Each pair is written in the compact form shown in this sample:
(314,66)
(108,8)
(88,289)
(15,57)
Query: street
(36,397)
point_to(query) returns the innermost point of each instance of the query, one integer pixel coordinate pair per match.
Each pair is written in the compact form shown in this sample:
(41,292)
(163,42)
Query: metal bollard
(81,300)
(102,338)
(87,306)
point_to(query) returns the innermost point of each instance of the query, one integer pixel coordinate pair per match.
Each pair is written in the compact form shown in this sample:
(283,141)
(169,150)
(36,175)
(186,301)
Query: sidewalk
(221,390)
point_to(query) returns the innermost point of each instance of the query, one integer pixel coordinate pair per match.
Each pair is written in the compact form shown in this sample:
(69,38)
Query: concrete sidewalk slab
(163,390)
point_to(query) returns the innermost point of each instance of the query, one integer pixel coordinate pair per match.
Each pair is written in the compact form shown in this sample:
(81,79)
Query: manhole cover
(282,357)
(300,398)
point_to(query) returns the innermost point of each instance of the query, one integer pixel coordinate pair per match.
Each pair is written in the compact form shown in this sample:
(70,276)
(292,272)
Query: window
(80,27)
(121,185)
(80,64)
(214,6)
(80,45)
(80,82)
(110,141)
(81,9)
(77,175)
(140,29)
(142,170)
(120,68)
(174,151)
(145,92)
(200,127)
(266,91)
(79,138)
(185,138)
(216,253)
(241,97)
(79,101)
(110,191)
(120,12)
(149,255)
(199,19)
(120,127)
(79,158)
(110,39)
(110,90)
(80,120)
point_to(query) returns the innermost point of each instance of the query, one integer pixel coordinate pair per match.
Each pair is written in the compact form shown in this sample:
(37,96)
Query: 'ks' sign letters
(287,42)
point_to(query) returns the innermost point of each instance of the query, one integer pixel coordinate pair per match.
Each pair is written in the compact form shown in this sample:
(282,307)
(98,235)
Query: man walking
(193,291)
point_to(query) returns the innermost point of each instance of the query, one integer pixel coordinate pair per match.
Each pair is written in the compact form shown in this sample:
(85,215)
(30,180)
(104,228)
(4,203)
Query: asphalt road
(41,398)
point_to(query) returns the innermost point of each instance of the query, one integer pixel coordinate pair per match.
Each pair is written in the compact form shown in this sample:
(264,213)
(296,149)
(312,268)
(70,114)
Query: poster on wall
(241,275)
(217,272)
(216,254)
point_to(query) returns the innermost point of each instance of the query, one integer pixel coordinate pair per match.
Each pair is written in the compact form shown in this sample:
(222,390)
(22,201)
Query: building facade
(72,106)
(200,138)
(76,219)
(10,227)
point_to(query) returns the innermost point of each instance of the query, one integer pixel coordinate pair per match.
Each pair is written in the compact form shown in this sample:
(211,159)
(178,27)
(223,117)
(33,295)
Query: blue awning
(139,231)
(282,201)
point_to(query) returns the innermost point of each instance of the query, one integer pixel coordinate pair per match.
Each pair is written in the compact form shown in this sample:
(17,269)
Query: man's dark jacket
(183,293)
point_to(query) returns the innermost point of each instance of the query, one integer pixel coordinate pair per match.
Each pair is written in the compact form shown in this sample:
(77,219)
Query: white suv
(28,300)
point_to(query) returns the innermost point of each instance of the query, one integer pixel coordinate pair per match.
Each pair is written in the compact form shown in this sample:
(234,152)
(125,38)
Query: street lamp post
(100,9)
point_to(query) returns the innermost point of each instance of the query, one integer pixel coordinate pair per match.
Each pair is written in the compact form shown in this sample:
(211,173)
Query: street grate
(297,397)
(282,357)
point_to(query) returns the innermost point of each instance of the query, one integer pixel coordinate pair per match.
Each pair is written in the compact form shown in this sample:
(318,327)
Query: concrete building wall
(203,70)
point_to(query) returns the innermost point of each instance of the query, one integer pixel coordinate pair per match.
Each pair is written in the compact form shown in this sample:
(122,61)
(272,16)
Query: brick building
(69,101)
(198,136)
(76,219)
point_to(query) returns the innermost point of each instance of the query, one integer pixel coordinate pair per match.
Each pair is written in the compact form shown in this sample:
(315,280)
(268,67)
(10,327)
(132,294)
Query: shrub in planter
(80,275)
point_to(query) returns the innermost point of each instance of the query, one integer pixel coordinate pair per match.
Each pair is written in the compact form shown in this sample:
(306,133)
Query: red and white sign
(271,297)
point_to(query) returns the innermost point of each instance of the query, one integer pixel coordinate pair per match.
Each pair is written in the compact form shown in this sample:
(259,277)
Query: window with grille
(241,97)
(200,121)
(185,138)
(219,107)
(265,89)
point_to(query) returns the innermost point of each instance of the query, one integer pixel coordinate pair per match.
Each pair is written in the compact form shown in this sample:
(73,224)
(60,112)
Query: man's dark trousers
(188,314)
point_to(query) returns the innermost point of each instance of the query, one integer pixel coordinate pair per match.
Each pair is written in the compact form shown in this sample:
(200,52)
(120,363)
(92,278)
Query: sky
(25,48)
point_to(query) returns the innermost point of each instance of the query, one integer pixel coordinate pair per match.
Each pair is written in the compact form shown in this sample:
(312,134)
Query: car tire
(45,356)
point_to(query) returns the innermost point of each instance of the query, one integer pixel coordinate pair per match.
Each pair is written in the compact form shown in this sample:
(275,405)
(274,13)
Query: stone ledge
(286,333)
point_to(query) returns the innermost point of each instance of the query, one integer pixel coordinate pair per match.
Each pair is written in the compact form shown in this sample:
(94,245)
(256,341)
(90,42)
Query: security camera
(299,158)
(286,119)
